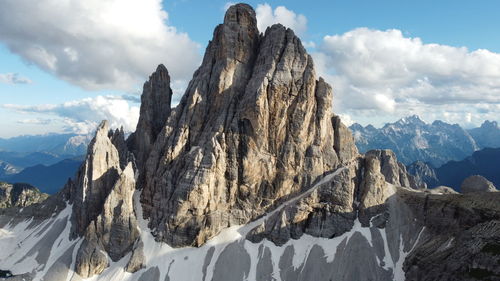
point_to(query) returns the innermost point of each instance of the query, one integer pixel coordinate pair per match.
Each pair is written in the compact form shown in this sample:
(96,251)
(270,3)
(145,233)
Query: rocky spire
(102,198)
(155,109)
(253,127)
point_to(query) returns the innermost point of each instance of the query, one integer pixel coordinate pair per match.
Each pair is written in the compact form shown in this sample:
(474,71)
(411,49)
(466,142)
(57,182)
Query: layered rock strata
(254,127)
(102,198)
(252,144)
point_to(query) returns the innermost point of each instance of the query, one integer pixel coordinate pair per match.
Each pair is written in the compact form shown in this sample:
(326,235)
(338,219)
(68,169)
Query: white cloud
(35,121)
(97,44)
(266,16)
(382,73)
(14,78)
(83,116)
(346,119)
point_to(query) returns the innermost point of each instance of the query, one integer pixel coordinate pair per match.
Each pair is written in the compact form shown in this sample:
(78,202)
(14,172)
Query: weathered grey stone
(137,259)
(373,191)
(103,209)
(326,212)
(91,259)
(477,184)
(155,109)
(393,171)
(461,239)
(94,180)
(424,174)
(253,127)
(344,141)
(19,195)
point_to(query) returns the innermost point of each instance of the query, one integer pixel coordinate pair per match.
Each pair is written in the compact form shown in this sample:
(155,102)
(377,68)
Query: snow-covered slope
(43,250)
(250,177)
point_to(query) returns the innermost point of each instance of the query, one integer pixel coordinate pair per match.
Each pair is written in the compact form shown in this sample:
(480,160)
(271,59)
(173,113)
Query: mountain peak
(241,14)
(254,99)
(489,125)
(412,119)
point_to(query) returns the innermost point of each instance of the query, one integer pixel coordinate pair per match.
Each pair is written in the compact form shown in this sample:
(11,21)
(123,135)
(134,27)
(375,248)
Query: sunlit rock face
(254,127)
(250,177)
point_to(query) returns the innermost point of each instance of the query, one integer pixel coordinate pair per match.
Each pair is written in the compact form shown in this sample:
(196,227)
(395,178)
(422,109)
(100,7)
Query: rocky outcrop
(19,195)
(357,191)
(254,158)
(253,128)
(394,172)
(424,174)
(460,241)
(328,211)
(477,183)
(102,197)
(344,144)
(155,109)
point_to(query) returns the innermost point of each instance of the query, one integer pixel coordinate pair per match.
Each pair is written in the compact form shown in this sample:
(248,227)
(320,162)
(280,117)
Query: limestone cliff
(250,177)
(102,197)
(253,127)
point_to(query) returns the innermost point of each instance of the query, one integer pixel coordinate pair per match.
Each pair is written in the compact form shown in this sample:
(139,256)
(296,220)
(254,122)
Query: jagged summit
(155,109)
(250,177)
(241,14)
(253,127)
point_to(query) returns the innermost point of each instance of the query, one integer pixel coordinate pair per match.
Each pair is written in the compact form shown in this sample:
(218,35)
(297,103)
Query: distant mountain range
(59,144)
(45,161)
(412,140)
(49,179)
(483,162)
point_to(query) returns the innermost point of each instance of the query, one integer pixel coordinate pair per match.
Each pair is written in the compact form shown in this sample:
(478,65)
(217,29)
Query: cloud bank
(376,73)
(83,116)
(97,44)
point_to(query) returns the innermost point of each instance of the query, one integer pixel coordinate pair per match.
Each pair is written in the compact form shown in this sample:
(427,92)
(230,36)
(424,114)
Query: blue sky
(458,23)
(385,59)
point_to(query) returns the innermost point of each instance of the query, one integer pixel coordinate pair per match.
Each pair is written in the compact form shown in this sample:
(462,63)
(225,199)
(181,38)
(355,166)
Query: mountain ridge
(251,177)
(436,143)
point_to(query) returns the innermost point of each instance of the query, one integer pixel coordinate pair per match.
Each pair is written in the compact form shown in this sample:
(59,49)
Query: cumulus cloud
(83,116)
(376,73)
(14,78)
(97,44)
(266,16)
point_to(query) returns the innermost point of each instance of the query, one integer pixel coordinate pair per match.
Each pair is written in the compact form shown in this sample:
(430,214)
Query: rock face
(254,170)
(461,241)
(19,195)
(155,109)
(424,174)
(102,197)
(477,184)
(358,191)
(394,172)
(254,127)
